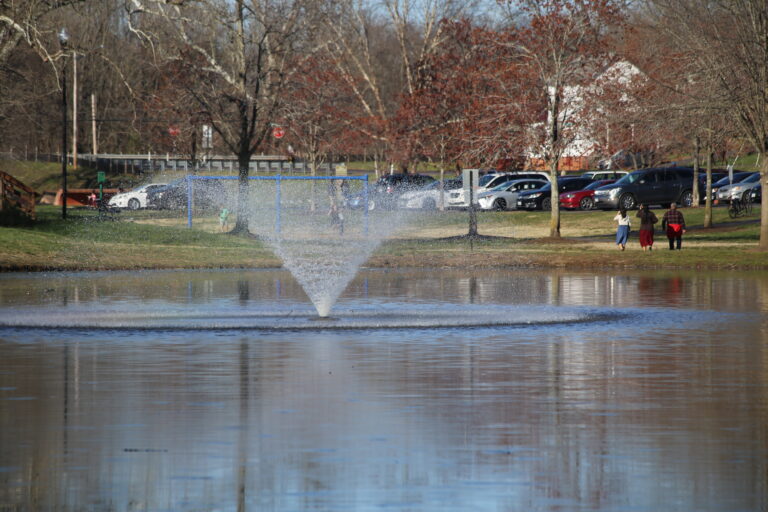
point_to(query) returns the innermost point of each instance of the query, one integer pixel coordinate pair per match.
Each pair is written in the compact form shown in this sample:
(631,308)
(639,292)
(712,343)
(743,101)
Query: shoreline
(491,253)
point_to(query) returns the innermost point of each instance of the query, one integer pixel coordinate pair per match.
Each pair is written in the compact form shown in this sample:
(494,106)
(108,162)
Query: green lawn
(152,239)
(162,240)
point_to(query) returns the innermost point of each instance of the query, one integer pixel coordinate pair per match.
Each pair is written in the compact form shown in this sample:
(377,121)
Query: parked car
(604,175)
(725,181)
(625,158)
(541,199)
(387,189)
(504,196)
(738,190)
(427,198)
(207,194)
(757,193)
(661,185)
(716,176)
(456,198)
(583,199)
(136,198)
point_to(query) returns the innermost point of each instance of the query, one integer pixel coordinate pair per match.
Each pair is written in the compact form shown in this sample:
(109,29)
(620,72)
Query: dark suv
(662,186)
(206,194)
(385,191)
(541,199)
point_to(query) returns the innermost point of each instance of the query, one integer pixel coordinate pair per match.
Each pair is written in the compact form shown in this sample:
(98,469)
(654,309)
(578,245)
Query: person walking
(622,233)
(674,222)
(647,220)
(337,217)
(224,219)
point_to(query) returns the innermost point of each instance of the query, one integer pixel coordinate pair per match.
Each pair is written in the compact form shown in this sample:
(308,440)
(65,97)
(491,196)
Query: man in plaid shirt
(674,222)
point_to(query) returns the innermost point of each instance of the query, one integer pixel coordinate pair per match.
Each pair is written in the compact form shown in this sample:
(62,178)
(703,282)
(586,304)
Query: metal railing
(139,164)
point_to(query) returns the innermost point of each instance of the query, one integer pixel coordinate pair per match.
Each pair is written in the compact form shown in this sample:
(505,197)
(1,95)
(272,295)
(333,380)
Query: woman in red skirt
(647,220)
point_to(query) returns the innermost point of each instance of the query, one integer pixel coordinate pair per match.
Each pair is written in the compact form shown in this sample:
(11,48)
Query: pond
(438,390)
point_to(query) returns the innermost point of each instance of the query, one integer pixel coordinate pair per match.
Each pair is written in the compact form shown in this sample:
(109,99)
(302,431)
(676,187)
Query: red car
(582,199)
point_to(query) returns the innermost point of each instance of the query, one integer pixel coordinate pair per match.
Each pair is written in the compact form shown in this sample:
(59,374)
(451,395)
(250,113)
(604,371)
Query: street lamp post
(63,40)
(74,110)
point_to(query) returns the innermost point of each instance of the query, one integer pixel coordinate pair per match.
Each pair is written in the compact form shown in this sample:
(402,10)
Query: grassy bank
(155,240)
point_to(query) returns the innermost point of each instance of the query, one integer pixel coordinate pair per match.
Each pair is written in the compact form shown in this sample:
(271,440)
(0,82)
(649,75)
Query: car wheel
(686,198)
(134,204)
(586,203)
(627,201)
(546,203)
(499,204)
(429,204)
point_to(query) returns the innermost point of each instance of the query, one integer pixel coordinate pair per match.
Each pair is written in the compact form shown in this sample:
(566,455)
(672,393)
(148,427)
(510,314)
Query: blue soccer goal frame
(278,179)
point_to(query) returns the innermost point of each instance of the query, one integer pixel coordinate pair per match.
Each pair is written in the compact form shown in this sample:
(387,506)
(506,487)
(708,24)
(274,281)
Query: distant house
(582,150)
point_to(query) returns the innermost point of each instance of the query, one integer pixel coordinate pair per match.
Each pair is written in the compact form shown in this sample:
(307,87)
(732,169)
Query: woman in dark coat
(647,220)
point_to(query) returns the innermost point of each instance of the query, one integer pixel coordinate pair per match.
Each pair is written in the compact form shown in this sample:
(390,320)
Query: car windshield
(630,178)
(503,186)
(487,179)
(595,184)
(737,178)
(755,177)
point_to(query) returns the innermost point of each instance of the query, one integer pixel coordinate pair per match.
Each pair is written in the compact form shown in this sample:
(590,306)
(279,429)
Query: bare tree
(724,43)
(239,53)
(317,114)
(26,20)
(552,58)
(383,56)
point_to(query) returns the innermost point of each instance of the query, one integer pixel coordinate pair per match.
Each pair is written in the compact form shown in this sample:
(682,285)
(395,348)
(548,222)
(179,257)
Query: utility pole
(93,126)
(63,39)
(74,110)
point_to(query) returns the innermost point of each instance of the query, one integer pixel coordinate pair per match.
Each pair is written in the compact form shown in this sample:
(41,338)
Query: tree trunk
(441,188)
(708,200)
(554,220)
(472,220)
(243,163)
(471,209)
(313,191)
(695,172)
(763,156)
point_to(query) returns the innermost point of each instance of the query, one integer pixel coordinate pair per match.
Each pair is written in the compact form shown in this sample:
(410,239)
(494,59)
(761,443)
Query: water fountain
(319,239)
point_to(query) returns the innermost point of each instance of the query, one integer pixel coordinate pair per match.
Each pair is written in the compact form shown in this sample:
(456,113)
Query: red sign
(174,131)
(278,132)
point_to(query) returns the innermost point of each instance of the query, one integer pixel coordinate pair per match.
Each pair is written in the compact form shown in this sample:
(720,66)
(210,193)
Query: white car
(504,196)
(134,199)
(738,190)
(427,198)
(487,182)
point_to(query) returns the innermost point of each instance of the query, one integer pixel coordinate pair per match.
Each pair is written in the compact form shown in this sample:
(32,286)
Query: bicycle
(741,207)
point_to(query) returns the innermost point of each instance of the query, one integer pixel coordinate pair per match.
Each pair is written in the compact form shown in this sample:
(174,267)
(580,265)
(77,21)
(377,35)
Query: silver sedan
(504,196)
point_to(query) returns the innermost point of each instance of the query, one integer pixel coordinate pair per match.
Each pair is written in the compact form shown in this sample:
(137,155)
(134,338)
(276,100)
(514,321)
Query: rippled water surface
(425,391)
